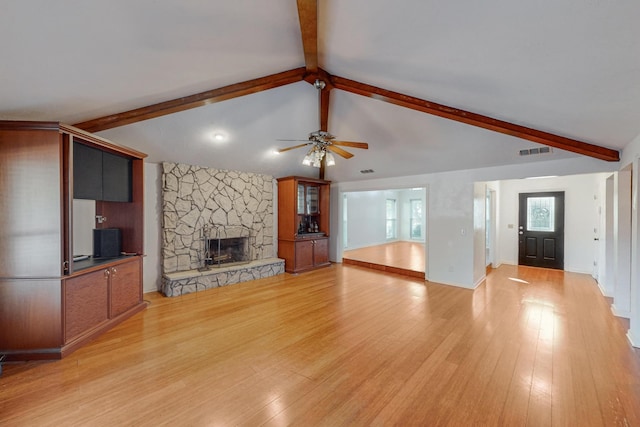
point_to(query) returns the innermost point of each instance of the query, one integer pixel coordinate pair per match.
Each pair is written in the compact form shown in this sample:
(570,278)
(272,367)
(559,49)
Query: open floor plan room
(346,345)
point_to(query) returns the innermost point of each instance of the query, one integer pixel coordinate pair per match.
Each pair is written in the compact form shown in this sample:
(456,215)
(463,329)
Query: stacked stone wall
(194,196)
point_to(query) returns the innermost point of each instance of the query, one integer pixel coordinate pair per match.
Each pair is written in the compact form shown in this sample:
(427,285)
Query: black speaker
(106,242)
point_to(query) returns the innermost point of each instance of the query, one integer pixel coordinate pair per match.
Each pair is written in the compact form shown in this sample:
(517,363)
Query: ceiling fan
(322,143)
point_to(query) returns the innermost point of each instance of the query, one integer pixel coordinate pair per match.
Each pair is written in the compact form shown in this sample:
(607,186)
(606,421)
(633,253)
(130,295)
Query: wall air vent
(540,150)
(367,171)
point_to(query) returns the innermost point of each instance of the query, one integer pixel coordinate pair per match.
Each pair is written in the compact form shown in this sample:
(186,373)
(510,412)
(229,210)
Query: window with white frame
(415,218)
(392,219)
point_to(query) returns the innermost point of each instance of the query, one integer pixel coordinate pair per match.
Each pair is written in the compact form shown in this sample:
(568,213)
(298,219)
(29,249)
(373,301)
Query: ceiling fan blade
(351,144)
(339,151)
(282,150)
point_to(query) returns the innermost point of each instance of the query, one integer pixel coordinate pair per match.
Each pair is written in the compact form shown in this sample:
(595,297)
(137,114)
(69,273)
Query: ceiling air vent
(540,150)
(366,171)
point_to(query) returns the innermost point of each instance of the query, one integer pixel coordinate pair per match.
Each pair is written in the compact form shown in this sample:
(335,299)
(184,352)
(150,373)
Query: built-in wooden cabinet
(49,304)
(303,223)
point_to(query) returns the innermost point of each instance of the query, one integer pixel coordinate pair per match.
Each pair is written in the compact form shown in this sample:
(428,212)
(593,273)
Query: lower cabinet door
(304,254)
(86,303)
(321,251)
(125,287)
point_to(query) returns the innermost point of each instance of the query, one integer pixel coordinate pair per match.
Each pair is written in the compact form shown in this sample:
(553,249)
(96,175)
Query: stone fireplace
(210,216)
(225,246)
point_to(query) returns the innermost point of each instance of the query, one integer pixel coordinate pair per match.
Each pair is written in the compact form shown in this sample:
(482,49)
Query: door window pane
(541,214)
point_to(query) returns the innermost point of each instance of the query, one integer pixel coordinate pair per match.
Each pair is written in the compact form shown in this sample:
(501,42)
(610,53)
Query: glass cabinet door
(300,199)
(312,200)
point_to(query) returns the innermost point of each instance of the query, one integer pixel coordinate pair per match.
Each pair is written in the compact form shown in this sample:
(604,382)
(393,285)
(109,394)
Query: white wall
(622,227)
(581,219)
(152,262)
(630,156)
(84,220)
(366,217)
(450,241)
(634,314)
(606,264)
(479,232)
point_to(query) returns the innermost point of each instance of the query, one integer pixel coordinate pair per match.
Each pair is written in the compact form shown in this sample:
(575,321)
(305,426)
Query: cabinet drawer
(86,302)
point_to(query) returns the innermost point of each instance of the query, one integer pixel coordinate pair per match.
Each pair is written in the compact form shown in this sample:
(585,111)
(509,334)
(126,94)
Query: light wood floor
(403,257)
(346,345)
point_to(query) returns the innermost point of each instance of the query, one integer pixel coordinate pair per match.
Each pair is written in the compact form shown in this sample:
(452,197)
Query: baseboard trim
(620,313)
(603,290)
(634,341)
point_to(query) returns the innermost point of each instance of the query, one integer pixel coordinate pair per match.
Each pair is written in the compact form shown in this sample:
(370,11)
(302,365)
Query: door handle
(595,238)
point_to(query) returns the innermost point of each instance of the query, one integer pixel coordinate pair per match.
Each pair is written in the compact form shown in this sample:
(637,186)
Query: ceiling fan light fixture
(331,161)
(317,155)
(307,160)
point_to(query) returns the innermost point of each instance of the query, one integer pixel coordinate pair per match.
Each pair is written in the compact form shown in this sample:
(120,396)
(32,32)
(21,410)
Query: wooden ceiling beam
(477,120)
(193,101)
(308,17)
(324,108)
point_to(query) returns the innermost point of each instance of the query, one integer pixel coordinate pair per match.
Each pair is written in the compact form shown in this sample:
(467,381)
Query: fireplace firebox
(225,246)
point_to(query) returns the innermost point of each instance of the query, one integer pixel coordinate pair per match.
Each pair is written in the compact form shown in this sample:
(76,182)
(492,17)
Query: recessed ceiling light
(218,136)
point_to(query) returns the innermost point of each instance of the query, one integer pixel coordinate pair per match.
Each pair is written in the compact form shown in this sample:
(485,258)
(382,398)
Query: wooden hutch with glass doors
(303,223)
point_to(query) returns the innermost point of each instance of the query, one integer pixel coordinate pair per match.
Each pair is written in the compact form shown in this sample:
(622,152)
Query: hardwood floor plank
(347,345)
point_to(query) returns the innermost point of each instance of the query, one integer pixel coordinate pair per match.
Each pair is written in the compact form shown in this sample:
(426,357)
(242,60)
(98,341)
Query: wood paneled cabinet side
(303,223)
(50,306)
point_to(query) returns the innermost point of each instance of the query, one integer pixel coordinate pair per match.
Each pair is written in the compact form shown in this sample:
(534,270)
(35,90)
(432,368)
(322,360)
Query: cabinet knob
(106,273)
(114,271)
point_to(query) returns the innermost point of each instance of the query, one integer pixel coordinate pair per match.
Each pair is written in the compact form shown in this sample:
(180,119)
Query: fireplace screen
(226,245)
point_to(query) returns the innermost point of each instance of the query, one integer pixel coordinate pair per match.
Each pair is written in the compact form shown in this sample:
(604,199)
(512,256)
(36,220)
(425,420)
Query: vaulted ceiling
(431,86)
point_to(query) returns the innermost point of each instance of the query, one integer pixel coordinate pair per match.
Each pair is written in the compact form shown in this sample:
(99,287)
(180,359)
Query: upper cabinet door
(87,172)
(116,178)
(99,175)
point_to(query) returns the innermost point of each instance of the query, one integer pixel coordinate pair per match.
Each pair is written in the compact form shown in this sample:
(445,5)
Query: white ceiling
(569,67)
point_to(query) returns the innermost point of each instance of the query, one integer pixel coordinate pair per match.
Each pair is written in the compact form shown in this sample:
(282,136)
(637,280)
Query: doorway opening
(385,230)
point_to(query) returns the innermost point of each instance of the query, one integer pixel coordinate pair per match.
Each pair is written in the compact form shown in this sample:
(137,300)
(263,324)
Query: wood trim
(477,120)
(382,267)
(308,17)
(27,125)
(68,129)
(305,179)
(193,101)
(100,142)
